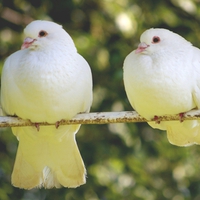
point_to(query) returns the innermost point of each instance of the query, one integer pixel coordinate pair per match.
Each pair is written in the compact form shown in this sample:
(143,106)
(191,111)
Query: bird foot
(58,123)
(181,115)
(156,119)
(37,126)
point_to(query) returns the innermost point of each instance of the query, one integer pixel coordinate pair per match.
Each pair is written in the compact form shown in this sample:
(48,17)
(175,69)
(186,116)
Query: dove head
(41,34)
(160,40)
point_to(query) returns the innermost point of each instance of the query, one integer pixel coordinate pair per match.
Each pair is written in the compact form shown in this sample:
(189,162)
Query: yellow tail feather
(48,158)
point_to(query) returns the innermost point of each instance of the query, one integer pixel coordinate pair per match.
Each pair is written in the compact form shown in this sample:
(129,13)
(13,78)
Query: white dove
(162,77)
(46,81)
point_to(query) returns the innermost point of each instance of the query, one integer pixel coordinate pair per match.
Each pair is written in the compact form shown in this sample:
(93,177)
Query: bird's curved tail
(184,133)
(48,158)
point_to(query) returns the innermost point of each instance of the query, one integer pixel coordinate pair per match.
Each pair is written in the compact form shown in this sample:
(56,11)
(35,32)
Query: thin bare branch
(97,118)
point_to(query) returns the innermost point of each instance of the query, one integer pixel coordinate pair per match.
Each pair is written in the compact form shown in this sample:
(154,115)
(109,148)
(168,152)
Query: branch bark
(97,118)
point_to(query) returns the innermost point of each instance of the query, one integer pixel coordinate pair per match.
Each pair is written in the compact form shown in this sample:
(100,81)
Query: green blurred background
(123,161)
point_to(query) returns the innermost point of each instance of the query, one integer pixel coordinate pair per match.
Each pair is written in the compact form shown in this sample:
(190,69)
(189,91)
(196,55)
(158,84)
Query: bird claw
(181,115)
(156,119)
(58,123)
(37,126)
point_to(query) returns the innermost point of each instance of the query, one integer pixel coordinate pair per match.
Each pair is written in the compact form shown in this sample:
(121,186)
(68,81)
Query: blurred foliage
(123,161)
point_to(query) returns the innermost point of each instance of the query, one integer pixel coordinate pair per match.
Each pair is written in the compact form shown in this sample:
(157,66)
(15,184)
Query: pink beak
(141,47)
(27,43)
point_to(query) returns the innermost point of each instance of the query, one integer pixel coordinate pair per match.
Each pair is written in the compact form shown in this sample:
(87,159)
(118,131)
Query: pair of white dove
(47,81)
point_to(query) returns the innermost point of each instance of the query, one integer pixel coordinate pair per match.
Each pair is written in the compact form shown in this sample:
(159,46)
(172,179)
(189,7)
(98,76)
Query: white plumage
(162,77)
(46,81)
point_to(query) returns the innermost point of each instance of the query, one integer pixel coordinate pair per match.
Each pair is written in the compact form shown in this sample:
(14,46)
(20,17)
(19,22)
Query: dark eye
(155,39)
(42,33)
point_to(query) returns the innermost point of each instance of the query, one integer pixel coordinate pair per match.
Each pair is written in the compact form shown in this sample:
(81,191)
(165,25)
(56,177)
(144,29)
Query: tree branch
(97,118)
